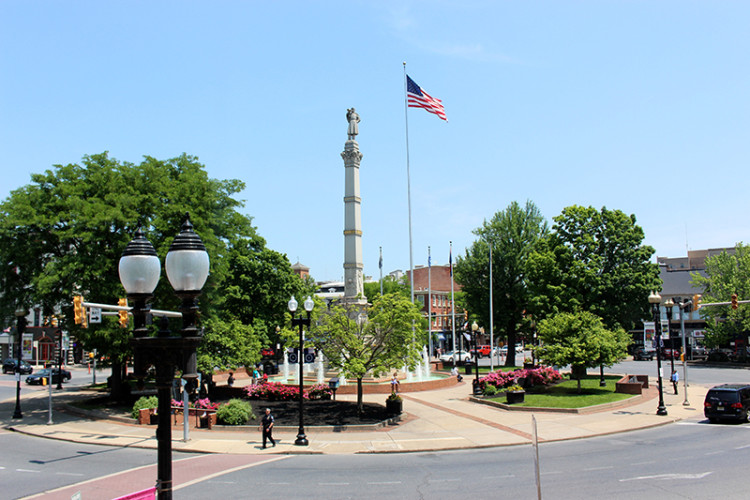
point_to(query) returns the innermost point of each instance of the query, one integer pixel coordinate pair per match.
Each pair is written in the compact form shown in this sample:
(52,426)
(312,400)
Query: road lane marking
(666,477)
(27,470)
(599,468)
(384,482)
(334,484)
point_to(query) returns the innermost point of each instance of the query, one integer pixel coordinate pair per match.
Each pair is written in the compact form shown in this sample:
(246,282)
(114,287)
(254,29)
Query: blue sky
(634,105)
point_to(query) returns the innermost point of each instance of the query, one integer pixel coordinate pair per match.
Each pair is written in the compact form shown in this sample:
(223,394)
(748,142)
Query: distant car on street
(643,355)
(699,352)
(482,350)
(727,402)
(36,378)
(9,366)
(504,349)
(456,356)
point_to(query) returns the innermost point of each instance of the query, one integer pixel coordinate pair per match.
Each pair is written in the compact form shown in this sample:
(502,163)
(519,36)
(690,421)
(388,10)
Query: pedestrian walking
(266,424)
(675,378)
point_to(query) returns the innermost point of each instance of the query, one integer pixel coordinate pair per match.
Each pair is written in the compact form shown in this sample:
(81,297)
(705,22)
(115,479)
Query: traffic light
(735,305)
(123,314)
(696,301)
(78,312)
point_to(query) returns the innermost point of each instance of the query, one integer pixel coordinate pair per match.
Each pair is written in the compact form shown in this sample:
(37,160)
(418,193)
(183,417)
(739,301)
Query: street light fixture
(301,322)
(477,389)
(187,269)
(655,299)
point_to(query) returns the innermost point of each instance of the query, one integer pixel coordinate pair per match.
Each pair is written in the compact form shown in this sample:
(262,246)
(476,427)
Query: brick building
(433,285)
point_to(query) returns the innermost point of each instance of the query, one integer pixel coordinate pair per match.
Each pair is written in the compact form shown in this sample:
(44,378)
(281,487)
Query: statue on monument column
(353,118)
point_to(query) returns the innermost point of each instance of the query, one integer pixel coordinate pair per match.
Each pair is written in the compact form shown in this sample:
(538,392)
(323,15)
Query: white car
(457,356)
(504,350)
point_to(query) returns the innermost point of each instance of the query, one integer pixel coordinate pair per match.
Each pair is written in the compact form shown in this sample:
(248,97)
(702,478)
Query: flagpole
(380,264)
(453,306)
(429,301)
(492,332)
(408,189)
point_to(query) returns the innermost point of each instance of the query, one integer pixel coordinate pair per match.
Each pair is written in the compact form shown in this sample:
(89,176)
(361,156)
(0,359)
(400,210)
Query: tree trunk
(360,404)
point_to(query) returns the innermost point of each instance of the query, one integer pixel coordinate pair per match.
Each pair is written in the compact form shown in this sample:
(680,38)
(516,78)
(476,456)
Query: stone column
(353,263)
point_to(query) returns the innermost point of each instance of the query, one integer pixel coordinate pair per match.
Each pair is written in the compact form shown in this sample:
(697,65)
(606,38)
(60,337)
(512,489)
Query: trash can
(469,368)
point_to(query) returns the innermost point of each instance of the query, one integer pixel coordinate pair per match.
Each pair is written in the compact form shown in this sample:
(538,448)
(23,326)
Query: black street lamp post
(59,362)
(477,389)
(301,322)
(655,299)
(187,266)
(20,327)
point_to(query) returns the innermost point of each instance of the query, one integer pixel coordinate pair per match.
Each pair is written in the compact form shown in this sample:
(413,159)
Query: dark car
(36,378)
(727,402)
(643,355)
(9,366)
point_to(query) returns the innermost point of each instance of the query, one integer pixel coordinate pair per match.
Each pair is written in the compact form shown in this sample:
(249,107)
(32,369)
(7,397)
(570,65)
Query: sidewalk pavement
(443,419)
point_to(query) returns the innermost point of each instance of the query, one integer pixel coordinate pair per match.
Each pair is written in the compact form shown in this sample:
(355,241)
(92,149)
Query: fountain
(285,370)
(426,365)
(319,363)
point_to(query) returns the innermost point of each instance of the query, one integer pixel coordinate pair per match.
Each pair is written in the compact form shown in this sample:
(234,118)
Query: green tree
(257,287)
(514,234)
(594,261)
(580,340)
(390,285)
(383,340)
(65,232)
(227,345)
(726,274)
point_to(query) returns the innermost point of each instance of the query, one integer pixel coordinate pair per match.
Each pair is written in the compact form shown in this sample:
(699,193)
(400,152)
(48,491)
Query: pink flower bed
(275,391)
(537,376)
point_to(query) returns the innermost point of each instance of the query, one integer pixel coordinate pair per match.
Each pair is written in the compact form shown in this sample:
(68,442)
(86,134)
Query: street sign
(95,315)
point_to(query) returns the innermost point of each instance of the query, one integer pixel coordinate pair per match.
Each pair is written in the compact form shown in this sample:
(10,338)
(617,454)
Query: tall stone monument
(354,292)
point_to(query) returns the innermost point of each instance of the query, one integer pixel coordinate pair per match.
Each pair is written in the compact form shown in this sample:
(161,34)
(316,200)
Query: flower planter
(147,416)
(513,397)
(394,407)
(208,420)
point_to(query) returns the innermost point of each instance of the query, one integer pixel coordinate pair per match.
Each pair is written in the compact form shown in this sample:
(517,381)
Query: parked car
(727,402)
(504,349)
(457,356)
(482,350)
(699,352)
(36,378)
(9,366)
(642,354)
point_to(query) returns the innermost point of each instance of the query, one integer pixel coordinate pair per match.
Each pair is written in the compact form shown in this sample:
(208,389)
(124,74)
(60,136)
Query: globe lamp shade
(187,261)
(139,266)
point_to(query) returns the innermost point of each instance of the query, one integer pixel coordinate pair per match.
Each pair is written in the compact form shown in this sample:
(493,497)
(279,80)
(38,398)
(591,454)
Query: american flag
(416,97)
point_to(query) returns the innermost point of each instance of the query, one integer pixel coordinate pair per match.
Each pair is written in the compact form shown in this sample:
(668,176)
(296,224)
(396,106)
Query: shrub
(393,397)
(206,404)
(490,390)
(319,391)
(235,412)
(142,403)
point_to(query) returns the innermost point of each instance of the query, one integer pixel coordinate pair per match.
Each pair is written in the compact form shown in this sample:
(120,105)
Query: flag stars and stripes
(416,97)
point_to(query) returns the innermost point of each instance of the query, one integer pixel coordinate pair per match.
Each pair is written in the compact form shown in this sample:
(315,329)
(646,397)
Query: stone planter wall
(632,384)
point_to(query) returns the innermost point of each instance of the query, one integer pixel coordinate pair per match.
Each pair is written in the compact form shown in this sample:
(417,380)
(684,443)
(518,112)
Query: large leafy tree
(594,260)
(382,340)
(258,286)
(580,340)
(65,232)
(726,274)
(514,234)
(390,285)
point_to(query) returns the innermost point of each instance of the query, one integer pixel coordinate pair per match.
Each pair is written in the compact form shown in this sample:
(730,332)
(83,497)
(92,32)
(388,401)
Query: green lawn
(565,394)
